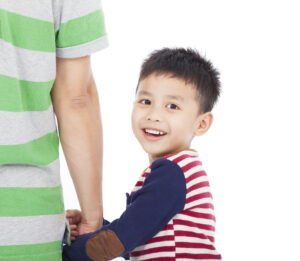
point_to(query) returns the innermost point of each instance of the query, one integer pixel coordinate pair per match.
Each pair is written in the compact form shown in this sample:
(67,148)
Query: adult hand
(78,225)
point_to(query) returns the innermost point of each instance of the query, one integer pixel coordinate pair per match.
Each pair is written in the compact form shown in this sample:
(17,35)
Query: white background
(251,152)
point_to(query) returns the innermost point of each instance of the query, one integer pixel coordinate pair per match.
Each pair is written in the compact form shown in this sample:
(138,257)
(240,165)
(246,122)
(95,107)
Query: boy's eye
(172,106)
(145,101)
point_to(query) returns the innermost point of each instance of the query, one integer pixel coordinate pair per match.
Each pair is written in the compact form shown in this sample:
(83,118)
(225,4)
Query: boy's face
(165,115)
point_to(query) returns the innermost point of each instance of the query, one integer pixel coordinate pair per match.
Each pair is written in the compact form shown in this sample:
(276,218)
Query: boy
(169,213)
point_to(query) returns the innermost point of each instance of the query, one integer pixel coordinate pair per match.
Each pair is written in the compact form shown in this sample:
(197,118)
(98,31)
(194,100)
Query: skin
(169,105)
(76,105)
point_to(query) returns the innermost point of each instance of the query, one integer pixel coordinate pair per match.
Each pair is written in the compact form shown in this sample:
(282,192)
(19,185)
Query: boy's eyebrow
(144,93)
(175,97)
(170,96)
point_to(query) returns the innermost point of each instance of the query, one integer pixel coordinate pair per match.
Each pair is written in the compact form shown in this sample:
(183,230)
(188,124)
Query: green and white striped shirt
(32,34)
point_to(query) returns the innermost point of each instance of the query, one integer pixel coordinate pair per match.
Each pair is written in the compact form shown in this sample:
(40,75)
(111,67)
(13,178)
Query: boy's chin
(155,154)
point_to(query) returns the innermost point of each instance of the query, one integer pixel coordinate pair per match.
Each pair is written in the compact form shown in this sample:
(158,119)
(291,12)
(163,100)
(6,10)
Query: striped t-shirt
(189,235)
(169,217)
(32,34)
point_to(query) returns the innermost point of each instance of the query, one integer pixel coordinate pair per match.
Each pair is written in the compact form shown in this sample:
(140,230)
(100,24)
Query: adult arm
(76,105)
(162,196)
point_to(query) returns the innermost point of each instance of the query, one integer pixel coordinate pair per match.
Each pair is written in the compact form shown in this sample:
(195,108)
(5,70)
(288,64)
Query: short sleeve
(79,27)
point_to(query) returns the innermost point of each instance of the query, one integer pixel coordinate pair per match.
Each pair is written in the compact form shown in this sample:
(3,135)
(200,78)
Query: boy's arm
(76,105)
(162,196)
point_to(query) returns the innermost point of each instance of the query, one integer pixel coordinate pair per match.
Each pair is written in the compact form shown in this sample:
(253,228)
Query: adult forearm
(80,132)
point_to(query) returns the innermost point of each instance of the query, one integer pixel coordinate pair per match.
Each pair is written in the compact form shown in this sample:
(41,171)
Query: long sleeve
(161,197)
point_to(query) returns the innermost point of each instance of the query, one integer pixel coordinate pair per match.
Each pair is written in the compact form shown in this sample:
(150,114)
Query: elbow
(71,104)
(105,245)
(73,95)
(72,101)
(78,102)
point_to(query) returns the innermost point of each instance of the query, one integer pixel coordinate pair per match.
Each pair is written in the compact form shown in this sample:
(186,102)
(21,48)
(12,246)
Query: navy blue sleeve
(149,209)
(105,222)
(162,196)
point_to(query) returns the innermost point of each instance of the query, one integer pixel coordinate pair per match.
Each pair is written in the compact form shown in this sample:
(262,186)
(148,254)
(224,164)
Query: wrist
(92,220)
(89,226)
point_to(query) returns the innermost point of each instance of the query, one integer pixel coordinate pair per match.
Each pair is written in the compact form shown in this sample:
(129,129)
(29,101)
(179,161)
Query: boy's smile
(153,134)
(165,116)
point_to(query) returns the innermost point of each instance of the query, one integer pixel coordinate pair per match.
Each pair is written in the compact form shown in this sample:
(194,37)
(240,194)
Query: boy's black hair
(188,65)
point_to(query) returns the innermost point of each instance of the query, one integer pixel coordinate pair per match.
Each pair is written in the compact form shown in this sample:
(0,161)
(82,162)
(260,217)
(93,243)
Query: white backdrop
(251,152)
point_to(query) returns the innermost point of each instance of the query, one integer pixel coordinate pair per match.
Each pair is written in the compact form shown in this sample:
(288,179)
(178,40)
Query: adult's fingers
(74,216)
(74,232)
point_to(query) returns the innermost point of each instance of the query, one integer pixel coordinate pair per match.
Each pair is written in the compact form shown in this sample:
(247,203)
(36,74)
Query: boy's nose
(152,119)
(153,115)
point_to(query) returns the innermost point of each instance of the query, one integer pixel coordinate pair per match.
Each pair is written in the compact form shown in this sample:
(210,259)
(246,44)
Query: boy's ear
(203,123)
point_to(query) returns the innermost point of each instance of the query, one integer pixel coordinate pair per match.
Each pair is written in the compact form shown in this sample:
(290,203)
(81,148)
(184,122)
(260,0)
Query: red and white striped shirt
(189,235)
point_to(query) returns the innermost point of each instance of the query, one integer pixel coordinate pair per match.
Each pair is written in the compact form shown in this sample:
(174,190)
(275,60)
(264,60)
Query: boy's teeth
(154,132)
